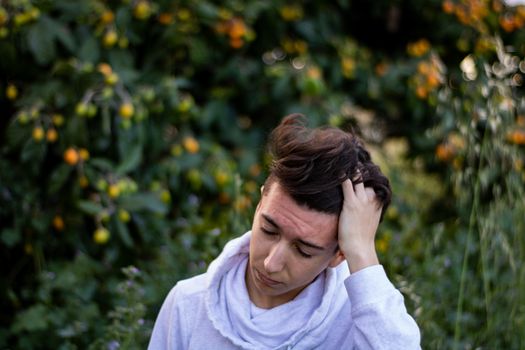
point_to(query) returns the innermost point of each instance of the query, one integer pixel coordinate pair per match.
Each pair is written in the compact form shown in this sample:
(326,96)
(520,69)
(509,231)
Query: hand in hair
(358,224)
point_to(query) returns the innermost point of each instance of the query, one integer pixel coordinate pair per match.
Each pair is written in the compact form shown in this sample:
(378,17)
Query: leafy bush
(133,131)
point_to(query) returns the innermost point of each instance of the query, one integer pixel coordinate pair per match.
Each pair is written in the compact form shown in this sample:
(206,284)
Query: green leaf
(123,232)
(8,52)
(121,59)
(10,237)
(143,201)
(33,151)
(60,32)
(89,207)
(40,223)
(102,164)
(32,319)
(89,50)
(131,161)
(58,178)
(199,52)
(40,41)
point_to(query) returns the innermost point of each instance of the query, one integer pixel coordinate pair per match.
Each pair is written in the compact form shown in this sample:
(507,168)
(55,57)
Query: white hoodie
(336,311)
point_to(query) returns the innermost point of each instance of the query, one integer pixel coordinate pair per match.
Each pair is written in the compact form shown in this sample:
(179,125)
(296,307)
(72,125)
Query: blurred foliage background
(132,147)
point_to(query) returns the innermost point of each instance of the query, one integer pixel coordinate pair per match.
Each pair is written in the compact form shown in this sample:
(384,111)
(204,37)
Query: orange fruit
(165,18)
(236,43)
(191,144)
(51,135)
(71,156)
(58,223)
(516,137)
(448,6)
(107,17)
(444,152)
(104,69)
(237,28)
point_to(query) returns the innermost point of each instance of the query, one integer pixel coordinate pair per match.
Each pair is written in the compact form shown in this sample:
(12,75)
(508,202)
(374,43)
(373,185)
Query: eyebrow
(303,242)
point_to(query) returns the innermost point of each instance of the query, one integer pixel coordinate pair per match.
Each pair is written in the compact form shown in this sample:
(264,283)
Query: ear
(338,258)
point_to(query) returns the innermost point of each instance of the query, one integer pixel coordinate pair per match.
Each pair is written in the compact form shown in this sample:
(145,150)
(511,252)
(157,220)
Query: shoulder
(192,286)
(186,299)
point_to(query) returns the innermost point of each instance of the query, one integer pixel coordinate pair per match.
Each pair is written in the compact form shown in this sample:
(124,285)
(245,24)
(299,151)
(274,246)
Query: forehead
(297,221)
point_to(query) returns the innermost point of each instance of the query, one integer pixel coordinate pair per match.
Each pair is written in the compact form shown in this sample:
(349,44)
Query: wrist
(358,259)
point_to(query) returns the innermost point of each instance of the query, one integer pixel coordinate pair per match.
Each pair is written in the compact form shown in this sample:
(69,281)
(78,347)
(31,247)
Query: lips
(265,280)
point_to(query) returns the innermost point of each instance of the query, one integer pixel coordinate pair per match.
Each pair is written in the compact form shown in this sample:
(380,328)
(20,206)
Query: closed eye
(301,252)
(297,247)
(268,232)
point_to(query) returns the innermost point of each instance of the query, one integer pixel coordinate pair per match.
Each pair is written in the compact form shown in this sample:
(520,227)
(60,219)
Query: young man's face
(290,246)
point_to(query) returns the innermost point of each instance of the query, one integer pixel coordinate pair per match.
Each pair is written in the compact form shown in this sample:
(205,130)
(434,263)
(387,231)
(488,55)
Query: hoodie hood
(302,323)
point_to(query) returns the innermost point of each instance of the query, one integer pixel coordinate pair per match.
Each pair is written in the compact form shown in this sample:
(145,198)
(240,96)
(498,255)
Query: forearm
(381,320)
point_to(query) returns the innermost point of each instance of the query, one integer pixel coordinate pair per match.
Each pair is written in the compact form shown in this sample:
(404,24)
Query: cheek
(305,271)
(258,246)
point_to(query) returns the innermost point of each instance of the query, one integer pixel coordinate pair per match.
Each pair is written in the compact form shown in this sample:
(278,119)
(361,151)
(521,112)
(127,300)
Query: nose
(275,260)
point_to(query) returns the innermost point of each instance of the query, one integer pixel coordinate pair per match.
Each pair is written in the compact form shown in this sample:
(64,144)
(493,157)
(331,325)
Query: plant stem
(473,212)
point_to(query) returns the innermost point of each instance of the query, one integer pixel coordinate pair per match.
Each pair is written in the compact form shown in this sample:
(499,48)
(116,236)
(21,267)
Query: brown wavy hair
(310,165)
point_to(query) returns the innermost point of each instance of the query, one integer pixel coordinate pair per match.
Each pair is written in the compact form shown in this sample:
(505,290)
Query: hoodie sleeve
(168,330)
(381,320)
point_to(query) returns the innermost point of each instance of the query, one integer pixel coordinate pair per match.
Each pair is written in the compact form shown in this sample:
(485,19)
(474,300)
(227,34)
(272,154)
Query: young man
(307,275)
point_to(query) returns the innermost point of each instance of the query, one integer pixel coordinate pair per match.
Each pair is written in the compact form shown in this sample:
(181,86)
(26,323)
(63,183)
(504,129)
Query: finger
(348,190)
(360,191)
(370,194)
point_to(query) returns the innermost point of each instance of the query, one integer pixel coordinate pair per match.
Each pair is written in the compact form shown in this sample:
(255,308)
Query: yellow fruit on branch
(11,92)
(183,14)
(113,191)
(81,109)
(124,215)
(4,16)
(221,178)
(83,153)
(111,79)
(83,181)
(291,12)
(38,133)
(126,110)
(58,120)
(165,196)
(142,10)
(101,235)
(110,38)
